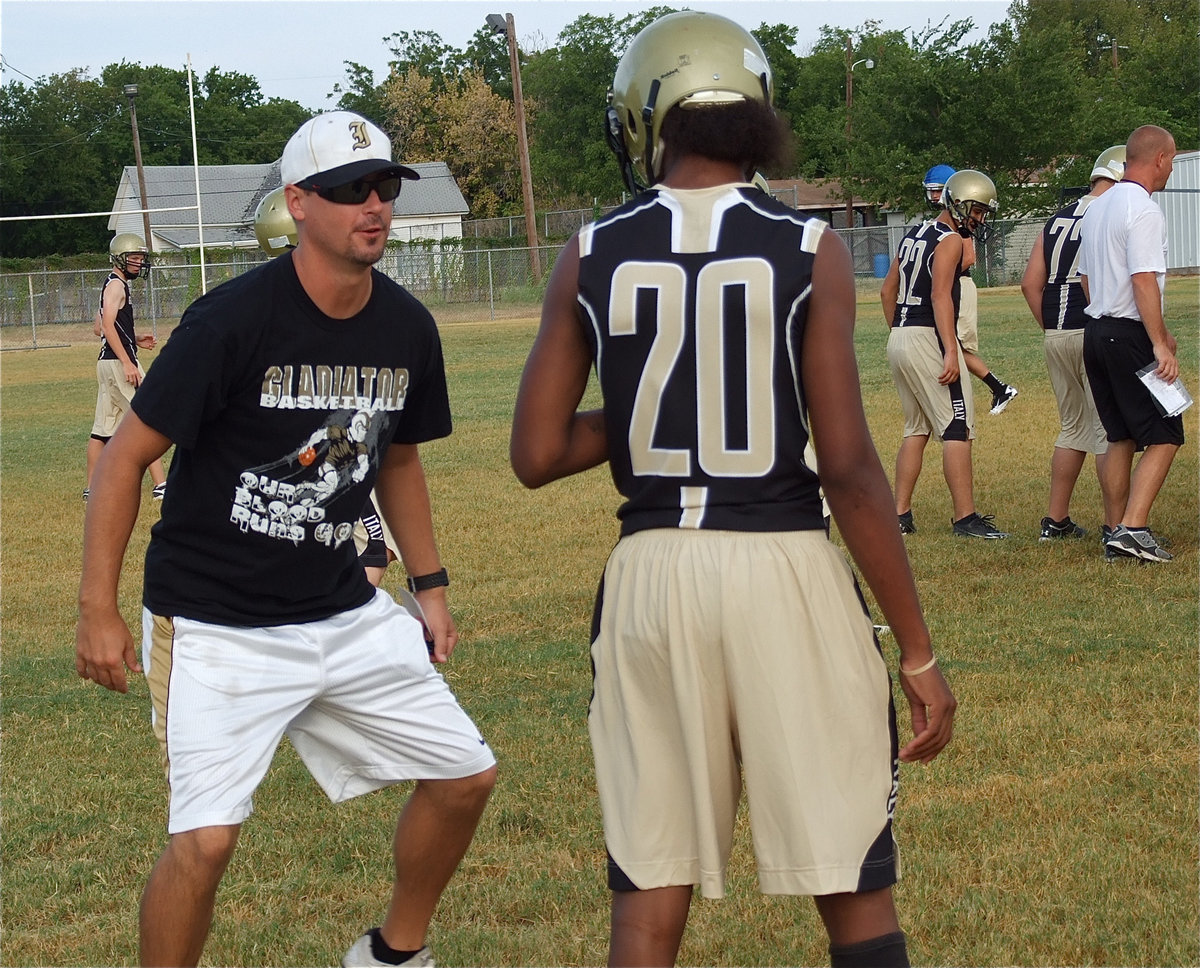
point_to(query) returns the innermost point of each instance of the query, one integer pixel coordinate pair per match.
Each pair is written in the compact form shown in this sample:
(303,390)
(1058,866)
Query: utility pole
(850,65)
(131,92)
(505,25)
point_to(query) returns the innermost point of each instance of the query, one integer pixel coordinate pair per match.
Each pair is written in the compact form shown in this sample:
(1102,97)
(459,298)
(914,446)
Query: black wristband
(421,583)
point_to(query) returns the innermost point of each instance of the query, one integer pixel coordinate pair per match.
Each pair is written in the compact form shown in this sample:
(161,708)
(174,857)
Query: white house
(1180,202)
(431,208)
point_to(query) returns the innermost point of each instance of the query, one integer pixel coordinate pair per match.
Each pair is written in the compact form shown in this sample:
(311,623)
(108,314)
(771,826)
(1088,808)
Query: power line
(6,63)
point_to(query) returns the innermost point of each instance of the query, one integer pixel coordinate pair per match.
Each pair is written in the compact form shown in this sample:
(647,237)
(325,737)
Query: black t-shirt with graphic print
(281,416)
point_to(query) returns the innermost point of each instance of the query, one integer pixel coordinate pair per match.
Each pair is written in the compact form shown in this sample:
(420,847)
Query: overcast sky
(296,49)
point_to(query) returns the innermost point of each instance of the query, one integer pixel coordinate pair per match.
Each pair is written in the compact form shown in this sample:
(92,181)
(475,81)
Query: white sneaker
(360,955)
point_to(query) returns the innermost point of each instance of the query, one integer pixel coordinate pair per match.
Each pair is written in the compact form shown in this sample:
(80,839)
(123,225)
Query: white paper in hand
(1172,399)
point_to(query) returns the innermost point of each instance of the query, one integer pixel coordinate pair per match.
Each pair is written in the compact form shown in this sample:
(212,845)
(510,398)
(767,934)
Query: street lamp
(503,24)
(131,92)
(850,65)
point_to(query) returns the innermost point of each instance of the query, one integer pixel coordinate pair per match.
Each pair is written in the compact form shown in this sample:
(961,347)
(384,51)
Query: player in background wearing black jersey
(920,303)
(730,643)
(1052,287)
(118,373)
(967,326)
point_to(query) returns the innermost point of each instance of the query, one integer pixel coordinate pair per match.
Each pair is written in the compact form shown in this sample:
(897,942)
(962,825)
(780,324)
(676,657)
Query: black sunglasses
(357,191)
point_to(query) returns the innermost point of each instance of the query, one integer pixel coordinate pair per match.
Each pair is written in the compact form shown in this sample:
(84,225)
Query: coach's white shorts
(355,693)
(721,655)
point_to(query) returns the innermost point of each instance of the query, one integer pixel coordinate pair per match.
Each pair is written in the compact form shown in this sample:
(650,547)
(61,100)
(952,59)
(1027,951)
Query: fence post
(491,290)
(32,310)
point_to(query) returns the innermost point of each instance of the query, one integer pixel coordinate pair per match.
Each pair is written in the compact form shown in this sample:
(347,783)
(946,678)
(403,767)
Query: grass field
(1059,828)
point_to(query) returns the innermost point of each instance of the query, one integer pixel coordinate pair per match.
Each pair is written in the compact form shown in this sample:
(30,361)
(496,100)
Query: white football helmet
(274,226)
(688,58)
(1109,164)
(964,191)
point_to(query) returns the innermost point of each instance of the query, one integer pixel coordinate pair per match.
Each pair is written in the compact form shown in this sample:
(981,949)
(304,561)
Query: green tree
(67,139)
(569,86)
(57,137)
(459,120)
(360,93)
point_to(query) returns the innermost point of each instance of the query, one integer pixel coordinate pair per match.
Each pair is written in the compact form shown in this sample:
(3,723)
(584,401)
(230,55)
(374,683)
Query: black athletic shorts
(1114,349)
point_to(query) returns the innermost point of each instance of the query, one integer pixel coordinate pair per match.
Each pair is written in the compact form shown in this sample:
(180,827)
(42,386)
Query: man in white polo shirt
(1123,265)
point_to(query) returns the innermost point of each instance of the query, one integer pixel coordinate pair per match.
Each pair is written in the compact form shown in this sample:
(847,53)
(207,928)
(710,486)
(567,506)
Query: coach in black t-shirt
(289,392)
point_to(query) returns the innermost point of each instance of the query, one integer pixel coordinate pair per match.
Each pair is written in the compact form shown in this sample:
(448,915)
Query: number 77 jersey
(694,304)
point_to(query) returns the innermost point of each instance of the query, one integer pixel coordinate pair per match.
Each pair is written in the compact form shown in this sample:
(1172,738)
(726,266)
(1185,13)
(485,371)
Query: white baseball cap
(338,147)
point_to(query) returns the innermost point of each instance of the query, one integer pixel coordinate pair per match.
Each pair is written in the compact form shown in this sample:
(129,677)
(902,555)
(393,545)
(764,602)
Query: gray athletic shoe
(977,526)
(360,955)
(1137,543)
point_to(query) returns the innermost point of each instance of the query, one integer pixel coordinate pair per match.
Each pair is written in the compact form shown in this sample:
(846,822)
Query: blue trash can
(882,264)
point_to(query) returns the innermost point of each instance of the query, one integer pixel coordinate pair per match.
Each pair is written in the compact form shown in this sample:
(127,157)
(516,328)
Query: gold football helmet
(1109,164)
(274,226)
(124,245)
(687,58)
(964,191)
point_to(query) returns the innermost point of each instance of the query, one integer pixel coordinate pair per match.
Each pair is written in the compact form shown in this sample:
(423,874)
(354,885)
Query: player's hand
(933,707)
(104,649)
(949,369)
(132,376)
(147,342)
(439,622)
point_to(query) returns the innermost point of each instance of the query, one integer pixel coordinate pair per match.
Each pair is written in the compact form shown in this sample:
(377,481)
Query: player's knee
(466,794)
(206,850)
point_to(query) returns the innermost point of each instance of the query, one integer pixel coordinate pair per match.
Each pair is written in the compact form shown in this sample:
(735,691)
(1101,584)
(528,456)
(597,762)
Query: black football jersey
(694,304)
(1062,297)
(914,307)
(124,324)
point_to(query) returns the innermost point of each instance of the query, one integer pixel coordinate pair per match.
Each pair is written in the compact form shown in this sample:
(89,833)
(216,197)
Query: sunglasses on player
(358,191)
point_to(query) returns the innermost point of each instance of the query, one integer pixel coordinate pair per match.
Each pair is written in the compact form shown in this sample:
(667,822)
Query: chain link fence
(58,307)
(55,308)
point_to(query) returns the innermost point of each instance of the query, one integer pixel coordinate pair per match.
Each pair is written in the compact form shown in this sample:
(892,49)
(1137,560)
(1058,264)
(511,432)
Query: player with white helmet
(1052,288)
